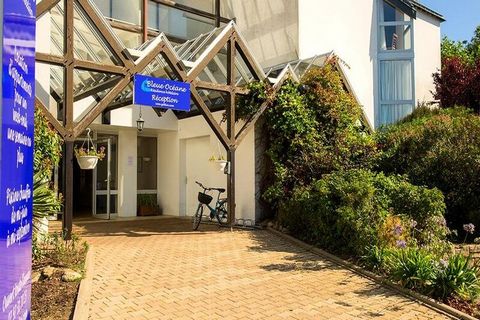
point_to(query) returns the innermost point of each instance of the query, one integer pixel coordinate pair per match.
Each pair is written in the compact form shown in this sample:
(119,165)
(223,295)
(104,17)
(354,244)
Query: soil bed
(53,299)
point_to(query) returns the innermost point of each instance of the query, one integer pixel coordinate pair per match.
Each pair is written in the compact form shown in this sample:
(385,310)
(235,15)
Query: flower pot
(87,162)
(221,164)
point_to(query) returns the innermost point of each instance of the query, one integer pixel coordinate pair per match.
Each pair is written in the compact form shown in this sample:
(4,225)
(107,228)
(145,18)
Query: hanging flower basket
(87,162)
(221,164)
(88,157)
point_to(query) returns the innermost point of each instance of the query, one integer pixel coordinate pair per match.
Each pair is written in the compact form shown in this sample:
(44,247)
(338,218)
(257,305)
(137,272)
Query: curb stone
(431,303)
(82,305)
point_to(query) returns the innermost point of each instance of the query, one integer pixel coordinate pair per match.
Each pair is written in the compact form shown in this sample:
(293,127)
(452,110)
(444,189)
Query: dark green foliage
(346,211)
(47,148)
(438,149)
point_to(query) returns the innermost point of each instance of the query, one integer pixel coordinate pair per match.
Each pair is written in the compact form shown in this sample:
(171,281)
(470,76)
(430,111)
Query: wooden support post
(145,20)
(231,187)
(67,221)
(217,14)
(231,52)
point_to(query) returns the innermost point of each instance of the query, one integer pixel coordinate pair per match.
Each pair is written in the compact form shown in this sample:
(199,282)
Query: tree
(458,83)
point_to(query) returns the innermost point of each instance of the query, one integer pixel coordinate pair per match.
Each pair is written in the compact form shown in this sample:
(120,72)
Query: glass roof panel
(89,44)
(216,69)
(87,83)
(51,22)
(193,49)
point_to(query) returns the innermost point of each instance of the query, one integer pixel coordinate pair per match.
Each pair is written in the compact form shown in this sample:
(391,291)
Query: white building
(390,49)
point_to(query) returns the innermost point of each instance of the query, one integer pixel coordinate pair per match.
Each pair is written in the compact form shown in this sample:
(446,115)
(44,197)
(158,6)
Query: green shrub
(347,211)
(457,276)
(313,128)
(413,268)
(438,149)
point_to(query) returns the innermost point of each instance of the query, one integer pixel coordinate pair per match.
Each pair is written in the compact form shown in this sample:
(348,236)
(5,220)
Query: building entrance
(95,191)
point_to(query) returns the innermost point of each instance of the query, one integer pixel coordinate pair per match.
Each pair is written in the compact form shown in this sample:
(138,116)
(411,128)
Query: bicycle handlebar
(209,189)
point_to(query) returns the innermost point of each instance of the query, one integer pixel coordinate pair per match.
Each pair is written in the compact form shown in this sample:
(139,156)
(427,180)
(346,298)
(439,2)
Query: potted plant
(147,205)
(88,157)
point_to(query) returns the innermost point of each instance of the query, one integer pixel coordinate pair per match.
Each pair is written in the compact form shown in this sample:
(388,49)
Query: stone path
(158,269)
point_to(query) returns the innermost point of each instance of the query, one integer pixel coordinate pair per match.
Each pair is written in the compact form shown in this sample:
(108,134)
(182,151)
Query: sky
(463,16)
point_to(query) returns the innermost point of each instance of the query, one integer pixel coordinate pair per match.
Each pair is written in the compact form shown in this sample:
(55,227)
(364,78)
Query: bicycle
(204,199)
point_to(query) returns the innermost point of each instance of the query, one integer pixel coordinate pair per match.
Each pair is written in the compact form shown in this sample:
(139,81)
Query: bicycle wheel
(197,218)
(222,215)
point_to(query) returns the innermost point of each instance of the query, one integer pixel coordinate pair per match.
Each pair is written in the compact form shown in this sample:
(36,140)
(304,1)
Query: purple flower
(398,230)
(413,224)
(469,228)
(401,244)
(443,264)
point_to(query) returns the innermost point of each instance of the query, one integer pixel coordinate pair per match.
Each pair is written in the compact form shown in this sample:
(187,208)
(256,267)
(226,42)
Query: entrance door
(104,180)
(197,153)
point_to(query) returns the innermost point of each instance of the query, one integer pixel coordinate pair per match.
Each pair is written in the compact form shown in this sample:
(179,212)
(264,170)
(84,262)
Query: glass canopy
(90,45)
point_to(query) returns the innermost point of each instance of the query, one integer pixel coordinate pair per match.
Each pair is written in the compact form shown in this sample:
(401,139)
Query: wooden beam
(145,20)
(67,221)
(44,6)
(212,86)
(231,53)
(49,59)
(217,14)
(99,67)
(207,115)
(69,68)
(53,121)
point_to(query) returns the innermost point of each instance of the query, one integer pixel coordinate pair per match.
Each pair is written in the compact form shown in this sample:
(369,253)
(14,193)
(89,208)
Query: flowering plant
(219,157)
(82,152)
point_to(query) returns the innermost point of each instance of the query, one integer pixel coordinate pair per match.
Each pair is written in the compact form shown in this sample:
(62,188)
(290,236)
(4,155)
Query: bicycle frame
(218,203)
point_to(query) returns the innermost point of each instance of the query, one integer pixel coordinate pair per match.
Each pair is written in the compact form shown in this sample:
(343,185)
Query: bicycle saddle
(221,190)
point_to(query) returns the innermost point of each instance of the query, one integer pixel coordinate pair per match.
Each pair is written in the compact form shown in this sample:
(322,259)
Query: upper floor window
(396,83)
(395,28)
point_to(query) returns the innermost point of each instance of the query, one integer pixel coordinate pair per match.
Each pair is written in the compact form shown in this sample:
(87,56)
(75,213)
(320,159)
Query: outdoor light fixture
(140,122)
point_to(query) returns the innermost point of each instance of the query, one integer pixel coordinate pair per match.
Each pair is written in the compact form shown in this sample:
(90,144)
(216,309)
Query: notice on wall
(161,93)
(16,157)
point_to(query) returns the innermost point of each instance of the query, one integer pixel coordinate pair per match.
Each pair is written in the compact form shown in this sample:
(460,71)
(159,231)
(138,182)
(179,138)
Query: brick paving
(158,269)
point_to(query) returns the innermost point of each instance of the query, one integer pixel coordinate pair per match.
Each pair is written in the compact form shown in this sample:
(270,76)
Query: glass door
(105,180)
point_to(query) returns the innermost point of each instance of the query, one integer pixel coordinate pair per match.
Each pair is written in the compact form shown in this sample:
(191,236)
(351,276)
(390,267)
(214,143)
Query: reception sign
(161,93)
(16,157)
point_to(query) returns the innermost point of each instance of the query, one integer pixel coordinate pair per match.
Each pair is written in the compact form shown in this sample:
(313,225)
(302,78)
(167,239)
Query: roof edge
(427,10)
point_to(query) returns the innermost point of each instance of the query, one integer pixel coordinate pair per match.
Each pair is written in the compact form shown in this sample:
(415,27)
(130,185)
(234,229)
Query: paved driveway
(158,269)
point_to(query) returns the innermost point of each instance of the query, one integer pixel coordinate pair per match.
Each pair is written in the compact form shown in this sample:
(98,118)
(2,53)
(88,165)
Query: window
(395,64)
(127,11)
(177,23)
(395,28)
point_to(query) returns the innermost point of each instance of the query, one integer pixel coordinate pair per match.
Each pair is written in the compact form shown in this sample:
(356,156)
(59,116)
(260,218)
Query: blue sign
(161,93)
(16,157)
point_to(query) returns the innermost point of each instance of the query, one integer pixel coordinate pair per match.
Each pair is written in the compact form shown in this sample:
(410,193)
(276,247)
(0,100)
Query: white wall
(427,54)
(127,173)
(172,188)
(349,29)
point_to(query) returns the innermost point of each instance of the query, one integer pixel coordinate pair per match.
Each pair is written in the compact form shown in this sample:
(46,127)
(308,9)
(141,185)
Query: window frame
(394,55)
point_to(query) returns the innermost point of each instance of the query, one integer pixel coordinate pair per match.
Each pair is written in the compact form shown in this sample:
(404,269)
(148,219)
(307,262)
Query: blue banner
(16,157)
(161,93)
